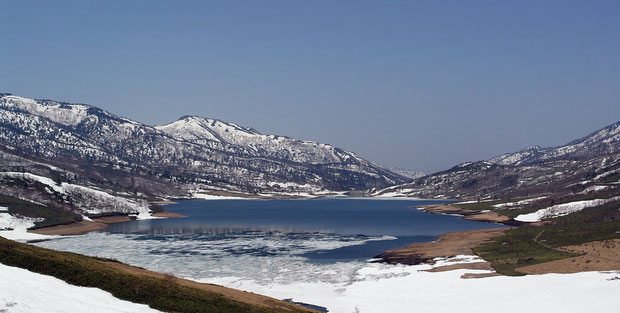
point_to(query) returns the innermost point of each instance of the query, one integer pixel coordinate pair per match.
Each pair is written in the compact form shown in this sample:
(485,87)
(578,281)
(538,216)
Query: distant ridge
(590,160)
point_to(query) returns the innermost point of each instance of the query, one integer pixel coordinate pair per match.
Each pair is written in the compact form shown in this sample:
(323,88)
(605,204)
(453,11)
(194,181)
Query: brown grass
(597,256)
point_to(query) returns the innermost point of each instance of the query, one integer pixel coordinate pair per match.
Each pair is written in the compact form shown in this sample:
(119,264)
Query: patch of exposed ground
(479,275)
(468,214)
(448,244)
(597,256)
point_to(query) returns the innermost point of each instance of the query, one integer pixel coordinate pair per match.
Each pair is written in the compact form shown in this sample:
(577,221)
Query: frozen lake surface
(313,251)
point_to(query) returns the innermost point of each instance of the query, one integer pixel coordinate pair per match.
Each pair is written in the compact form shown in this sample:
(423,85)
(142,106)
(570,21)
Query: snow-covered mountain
(412,174)
(601,142)
(191,153)
(203,130)
(588,162)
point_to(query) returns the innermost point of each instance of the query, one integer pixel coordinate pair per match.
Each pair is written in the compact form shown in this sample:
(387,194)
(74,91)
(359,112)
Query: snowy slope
(380,288)
(603,141)
(25,291)
(195,128)
(563,209)
(85,199)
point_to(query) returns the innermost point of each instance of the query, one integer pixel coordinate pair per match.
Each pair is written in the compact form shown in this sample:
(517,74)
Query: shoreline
(97,223)
(447,245)
(602,255)
(468,214)
(451,244)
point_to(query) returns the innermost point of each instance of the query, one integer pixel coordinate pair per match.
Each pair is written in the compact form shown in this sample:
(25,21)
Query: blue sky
(416,84)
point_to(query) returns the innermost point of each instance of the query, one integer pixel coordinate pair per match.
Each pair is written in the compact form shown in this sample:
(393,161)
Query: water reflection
(199,228)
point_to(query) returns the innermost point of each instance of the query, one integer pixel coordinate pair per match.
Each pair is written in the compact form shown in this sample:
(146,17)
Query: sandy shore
(79,228)
(472,215)
(448,244)
(167,214)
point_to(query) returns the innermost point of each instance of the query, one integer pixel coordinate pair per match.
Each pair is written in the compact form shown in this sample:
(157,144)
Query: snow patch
(376,288)
(562,209)
(25,291)
(16,227)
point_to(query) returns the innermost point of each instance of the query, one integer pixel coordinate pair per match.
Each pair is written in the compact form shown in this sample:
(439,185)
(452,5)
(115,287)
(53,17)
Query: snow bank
(241,262)
(25,291)
(16,227)
(377,288)
(562,209)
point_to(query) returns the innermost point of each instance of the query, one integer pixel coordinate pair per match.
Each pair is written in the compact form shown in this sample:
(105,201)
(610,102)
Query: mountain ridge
(584,146)
(569,168)
(88,124)
(96,155)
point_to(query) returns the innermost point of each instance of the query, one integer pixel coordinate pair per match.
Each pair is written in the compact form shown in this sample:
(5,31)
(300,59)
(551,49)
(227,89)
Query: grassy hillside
(531,245)
(159,291)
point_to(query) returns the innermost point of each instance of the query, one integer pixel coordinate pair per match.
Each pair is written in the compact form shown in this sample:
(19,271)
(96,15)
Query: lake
(369,226)
(267,246)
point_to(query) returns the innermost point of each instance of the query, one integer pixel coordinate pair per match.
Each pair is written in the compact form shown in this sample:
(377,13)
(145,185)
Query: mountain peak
(189,117)
(58,112)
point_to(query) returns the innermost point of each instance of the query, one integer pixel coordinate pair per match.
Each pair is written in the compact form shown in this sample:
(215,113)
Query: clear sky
(417,84)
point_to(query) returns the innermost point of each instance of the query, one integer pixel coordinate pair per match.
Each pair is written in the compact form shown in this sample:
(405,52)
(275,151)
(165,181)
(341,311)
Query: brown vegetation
(597,256)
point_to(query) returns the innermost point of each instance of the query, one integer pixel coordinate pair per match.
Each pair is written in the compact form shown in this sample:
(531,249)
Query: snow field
(22,291)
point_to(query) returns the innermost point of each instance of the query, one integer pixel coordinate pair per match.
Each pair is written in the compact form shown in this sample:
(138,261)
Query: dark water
(374,222)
